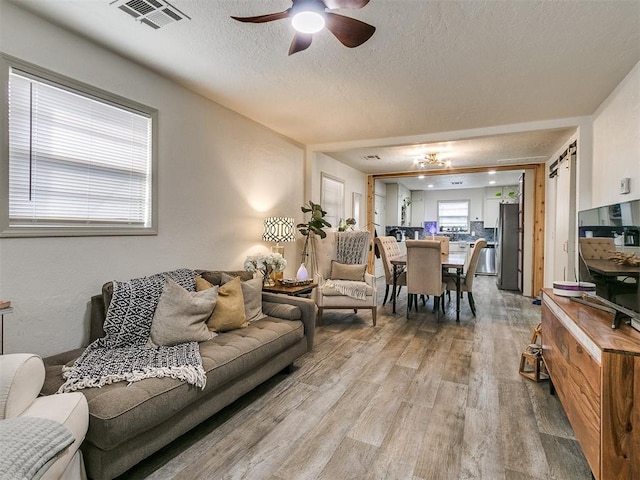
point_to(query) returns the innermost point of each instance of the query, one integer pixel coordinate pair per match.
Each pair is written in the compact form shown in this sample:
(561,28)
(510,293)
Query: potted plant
(315,225)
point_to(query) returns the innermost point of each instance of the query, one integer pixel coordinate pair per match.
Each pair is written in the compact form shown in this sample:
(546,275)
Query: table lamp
(279,229)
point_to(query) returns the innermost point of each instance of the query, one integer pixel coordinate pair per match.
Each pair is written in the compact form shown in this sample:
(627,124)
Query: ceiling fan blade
(263,18)
(301,41)
(353,4)
(349,31)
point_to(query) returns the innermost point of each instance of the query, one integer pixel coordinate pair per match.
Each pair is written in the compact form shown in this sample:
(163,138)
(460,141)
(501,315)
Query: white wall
(608,150)
(219,175)
(616,143)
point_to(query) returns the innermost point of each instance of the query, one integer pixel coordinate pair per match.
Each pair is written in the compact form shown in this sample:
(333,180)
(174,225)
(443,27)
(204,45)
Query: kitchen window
(453,215)
(80,161)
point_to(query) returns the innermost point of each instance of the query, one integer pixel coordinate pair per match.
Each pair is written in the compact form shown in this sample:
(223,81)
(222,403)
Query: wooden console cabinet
(595,371)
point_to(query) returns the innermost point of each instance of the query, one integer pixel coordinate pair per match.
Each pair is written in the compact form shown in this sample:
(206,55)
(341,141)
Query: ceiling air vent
(372,157)
(153,13)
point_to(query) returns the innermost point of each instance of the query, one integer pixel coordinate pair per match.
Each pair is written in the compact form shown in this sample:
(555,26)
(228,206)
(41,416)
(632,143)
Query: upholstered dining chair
(340,262)
(606,287)
(466,282)
(424,273)
(596,248)
(389,248)
(444,240)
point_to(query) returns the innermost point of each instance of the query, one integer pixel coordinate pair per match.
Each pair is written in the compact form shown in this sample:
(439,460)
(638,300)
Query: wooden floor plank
(482,449)
(442,441)
(401,448)
(409,399)
(308,458)
(523,450)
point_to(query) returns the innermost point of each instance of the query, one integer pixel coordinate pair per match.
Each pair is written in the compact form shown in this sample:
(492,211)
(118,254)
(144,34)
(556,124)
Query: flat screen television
(617,228)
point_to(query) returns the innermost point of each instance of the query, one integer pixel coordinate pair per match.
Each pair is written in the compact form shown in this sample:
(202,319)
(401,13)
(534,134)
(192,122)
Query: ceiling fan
(311,16)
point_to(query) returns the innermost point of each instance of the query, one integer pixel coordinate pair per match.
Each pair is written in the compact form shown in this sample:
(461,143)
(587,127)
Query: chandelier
(431,159)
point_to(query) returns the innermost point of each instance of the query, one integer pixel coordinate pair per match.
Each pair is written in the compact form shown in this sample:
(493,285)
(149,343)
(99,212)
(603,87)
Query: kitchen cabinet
(493,197)
(508,193)
(491,212)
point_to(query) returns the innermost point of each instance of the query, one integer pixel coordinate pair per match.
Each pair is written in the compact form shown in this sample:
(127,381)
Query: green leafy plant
(346,224)
(315,224)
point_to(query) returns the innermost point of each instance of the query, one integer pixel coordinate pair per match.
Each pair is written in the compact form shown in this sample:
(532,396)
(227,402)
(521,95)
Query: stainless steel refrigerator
(507,247)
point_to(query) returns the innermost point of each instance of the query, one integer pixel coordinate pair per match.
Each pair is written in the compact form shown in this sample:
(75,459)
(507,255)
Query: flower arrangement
(266,264)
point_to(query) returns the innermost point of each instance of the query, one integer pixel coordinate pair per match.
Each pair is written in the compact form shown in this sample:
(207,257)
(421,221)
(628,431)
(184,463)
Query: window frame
(468,222)
(8,62)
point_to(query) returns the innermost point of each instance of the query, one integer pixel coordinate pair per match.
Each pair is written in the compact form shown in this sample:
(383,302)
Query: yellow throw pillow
(202,284)
(228,313)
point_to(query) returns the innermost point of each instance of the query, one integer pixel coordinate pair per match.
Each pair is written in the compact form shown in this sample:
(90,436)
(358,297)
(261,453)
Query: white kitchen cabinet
(494,196)
(491,212)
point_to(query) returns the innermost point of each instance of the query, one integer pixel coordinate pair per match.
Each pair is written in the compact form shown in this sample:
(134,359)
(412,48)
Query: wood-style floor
(407,400)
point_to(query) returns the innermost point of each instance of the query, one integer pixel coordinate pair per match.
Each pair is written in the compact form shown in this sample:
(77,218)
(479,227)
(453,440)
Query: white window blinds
(453,216)
(76,160)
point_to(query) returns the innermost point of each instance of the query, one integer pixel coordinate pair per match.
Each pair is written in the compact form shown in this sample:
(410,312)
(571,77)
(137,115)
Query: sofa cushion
(252,296)
(282,310)
(120,411)
(214,277)
(229,312)
(181,315)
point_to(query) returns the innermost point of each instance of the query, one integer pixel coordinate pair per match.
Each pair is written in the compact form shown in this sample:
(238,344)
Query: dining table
(454,260)
(609,268)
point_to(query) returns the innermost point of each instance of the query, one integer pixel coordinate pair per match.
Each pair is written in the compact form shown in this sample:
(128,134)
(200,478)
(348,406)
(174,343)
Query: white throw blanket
(28,443)
(123,354)
(352,247)
(349,288)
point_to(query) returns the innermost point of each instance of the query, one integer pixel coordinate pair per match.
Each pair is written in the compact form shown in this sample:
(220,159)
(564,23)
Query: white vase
(302,273)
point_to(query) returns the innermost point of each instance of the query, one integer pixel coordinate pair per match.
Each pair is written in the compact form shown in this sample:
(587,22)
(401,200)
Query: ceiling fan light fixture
(308,22)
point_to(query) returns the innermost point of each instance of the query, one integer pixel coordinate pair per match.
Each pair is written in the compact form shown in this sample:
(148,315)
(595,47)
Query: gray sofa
(127,423)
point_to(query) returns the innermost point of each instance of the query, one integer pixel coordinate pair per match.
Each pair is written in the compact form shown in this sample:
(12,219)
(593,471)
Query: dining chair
(444,240)
(424,273)
(596,248)
(389,249)
(466,281)
(606,287)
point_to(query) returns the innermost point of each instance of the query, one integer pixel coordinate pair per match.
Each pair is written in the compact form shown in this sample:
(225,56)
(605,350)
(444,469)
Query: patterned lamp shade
(279,229)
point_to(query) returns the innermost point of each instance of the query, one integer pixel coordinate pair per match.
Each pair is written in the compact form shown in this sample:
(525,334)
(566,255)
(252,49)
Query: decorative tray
(292,282)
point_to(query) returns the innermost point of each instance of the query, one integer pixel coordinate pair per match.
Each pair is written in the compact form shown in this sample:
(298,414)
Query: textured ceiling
(431,66)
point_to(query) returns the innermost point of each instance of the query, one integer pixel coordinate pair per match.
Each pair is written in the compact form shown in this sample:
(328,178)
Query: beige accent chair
(21,378)
(424,273)
(389,249)
(326,297)
(466,281)
(596,248)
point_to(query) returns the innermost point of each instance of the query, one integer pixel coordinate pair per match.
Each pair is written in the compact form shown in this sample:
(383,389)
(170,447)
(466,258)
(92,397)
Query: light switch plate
(624,185)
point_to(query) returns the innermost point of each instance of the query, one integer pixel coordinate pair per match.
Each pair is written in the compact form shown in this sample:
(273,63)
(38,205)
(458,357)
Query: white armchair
(329,294)
(21,378)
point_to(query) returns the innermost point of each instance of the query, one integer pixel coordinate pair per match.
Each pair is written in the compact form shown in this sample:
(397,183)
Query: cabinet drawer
(576,377)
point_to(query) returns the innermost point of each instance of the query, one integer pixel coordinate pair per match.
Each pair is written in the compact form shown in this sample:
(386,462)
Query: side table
(295,290)
(3,312)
